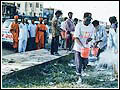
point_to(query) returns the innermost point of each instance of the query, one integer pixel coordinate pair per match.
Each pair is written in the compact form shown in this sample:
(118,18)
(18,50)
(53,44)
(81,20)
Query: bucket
(85,52)
(94,51)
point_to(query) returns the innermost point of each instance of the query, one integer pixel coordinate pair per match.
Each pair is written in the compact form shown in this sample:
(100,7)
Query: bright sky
(101,10)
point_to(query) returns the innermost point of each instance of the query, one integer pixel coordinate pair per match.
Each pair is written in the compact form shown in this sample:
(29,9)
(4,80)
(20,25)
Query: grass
(57,74)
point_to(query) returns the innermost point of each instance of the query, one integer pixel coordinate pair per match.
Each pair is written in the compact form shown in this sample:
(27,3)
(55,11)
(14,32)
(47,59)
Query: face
(87,20)
(114,25)
(96,28)
(32,21)
(58,15)
(70,15)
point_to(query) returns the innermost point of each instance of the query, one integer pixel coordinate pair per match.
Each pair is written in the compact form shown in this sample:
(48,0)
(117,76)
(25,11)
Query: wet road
(7,49)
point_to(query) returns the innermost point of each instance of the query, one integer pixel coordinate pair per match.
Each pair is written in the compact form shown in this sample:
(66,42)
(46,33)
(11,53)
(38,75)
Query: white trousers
(22,45)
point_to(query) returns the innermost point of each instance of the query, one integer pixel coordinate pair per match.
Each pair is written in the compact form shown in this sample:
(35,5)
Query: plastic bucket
(85,52)
(94,51)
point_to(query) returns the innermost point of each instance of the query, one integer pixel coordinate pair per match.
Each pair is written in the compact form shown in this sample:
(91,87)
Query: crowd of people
(75,35)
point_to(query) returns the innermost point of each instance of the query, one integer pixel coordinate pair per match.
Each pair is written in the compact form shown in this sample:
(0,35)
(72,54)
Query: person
(40,29)
(110,55)
(23,36)
(55,33)
(75,21)
(47,32)
(15,32)
(100,37)
(83,36)
(70,28)
(63,32)
(32,32)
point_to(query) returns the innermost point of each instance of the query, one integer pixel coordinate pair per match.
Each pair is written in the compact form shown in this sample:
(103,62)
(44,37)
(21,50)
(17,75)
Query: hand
(88,40)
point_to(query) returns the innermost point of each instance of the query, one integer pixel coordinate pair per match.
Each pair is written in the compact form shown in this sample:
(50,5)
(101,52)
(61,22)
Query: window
(37,5)
(41,6)
(30,4)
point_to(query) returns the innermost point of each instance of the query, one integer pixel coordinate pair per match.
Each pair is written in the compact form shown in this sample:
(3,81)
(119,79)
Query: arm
(79,42)
(77,34)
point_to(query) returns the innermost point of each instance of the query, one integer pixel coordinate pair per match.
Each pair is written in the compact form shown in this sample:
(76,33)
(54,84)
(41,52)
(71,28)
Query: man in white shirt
(32,32)
(23,36)
(100,37)
(63,32)
(83,36)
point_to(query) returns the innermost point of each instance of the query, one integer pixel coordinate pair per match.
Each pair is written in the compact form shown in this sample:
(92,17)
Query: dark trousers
(31,45)
(80,62)
(54,44)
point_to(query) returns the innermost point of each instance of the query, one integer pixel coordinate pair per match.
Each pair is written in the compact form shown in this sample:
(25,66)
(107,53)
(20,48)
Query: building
(8,9)
(30,8)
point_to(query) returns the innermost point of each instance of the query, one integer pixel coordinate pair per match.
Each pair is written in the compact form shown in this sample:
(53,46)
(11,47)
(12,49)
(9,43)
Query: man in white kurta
(32,32)
(23,36)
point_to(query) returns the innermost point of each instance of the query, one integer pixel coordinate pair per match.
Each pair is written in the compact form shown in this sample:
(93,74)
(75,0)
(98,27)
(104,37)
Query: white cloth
(32,29)
(48,29)
(83,33)
(63,25)
(23,36)
(109,56)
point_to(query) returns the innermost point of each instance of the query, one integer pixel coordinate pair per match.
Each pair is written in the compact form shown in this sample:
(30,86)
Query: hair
(70,13)
(58,12)
(112,19)
(65,18)
(95,22)
(76,19)
(87,14)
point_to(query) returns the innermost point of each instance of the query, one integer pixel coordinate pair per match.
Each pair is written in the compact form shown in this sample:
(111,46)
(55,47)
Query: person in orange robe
(40,29)
(15,32)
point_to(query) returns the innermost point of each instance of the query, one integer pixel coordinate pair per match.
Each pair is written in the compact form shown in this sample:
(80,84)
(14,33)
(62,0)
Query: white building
(30,8)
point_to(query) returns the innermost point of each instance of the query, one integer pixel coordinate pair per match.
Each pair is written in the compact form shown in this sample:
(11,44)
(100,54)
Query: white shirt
(112,39)
(63,25)
(32,29)
(101,34)
(23,34)
(83,33)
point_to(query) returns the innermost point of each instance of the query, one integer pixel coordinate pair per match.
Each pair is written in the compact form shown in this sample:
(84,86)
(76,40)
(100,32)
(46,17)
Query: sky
(101,10)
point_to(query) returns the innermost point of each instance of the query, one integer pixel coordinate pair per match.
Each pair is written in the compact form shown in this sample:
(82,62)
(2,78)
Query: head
(16,19)
(45,21)
(58,13)
(32,21)
(70,14)
(41,20)
(113,21)
(65,18)
(95,24)
(75,20)
(26,21)
(87,18)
